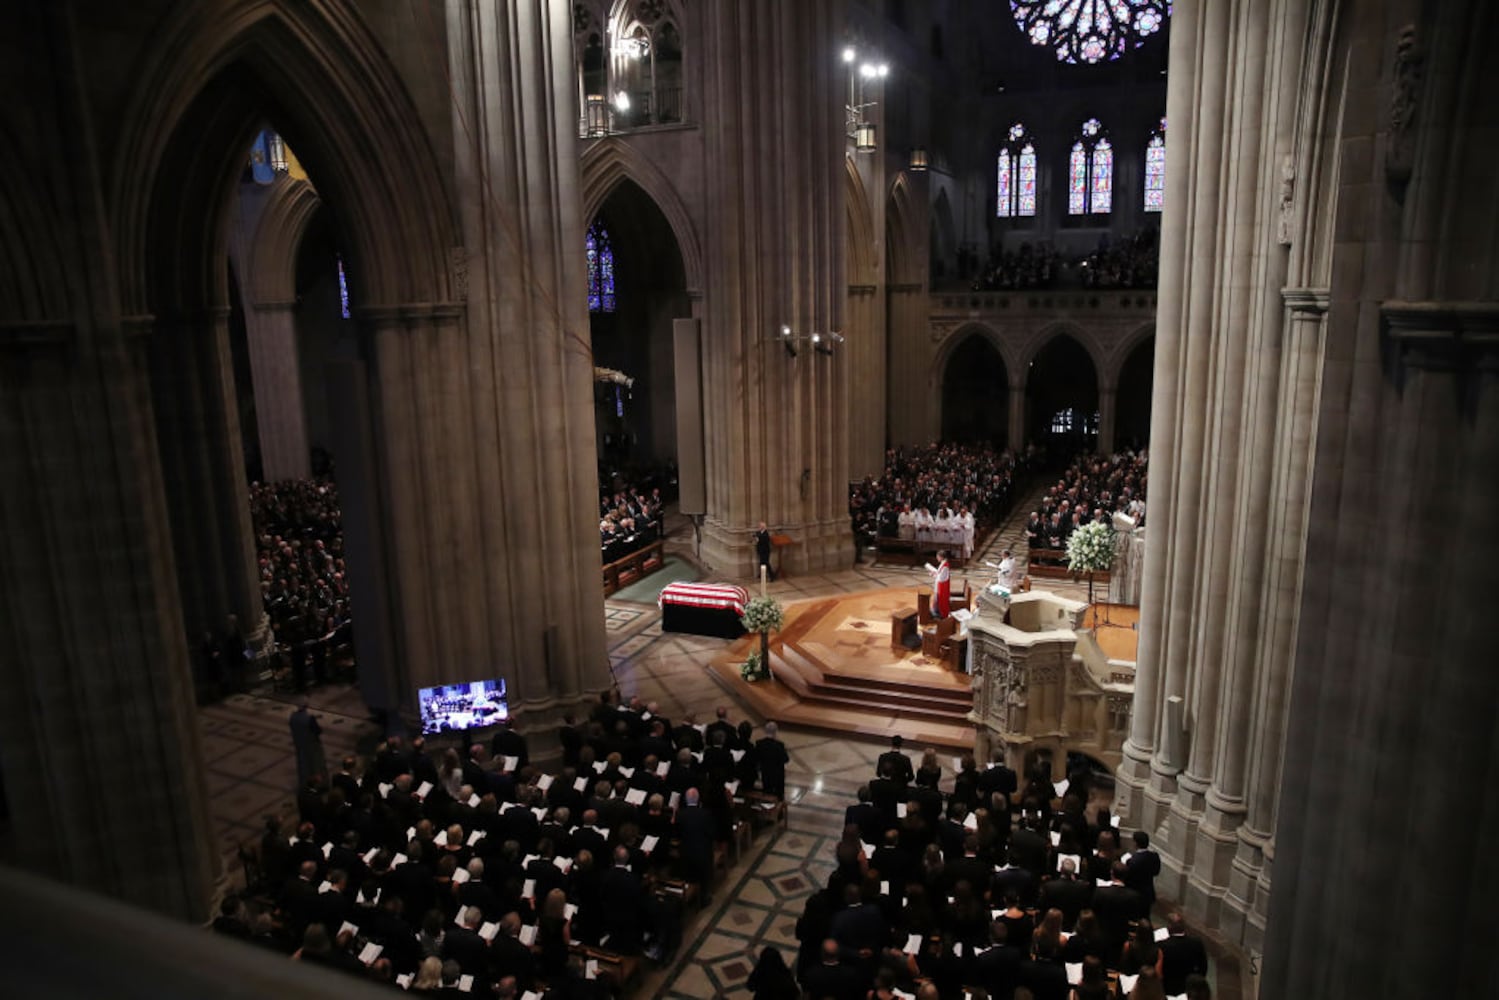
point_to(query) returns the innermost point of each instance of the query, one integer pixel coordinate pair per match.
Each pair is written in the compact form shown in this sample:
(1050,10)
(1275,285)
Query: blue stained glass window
(600,269)
(343,288)
(1155,170)
(1016,188)
(1089,31)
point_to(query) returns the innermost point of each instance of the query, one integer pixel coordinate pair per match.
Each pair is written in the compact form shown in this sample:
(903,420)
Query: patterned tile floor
(251,769)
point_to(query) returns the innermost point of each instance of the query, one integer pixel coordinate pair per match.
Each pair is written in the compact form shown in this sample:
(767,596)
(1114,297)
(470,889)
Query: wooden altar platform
(835,670)
(1120,637)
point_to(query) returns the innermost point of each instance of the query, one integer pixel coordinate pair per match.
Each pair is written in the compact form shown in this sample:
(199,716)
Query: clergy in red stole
(941,587)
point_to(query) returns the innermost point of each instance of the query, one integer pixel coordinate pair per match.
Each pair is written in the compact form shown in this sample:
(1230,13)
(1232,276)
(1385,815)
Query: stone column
(913,418)
(1247,897)
(1017,403)
(777,427)
(1108,400)
(280,418)
(865,330)
(486,403)
(203,468)
(98,729)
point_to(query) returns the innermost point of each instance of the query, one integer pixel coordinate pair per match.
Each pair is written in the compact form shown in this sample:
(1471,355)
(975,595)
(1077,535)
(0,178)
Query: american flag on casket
(719,596)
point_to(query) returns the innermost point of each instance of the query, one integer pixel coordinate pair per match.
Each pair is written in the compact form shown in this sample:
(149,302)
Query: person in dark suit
(1182,955)
(967,867)
(831,977)
(773,758)
(687,736)
(998,969)
(298,900)
(866,816)
(479,894)
(998,778)
(695,825)
(621,898)
(1068,893)
(721,724)
(762,550)
(1116,904)
(508,955)
(463,945)
(306,738)
(859,928)
(1141,869)
(899,763)
(1028,847)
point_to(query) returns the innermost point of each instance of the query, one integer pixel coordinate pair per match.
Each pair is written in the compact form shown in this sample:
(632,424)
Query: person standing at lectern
(941,586)
(1005,577)
(762,550)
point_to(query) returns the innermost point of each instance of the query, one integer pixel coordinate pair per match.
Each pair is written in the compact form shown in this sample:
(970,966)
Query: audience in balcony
(1131,262)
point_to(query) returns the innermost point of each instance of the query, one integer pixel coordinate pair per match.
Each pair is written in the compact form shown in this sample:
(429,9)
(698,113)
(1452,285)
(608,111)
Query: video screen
(454,708)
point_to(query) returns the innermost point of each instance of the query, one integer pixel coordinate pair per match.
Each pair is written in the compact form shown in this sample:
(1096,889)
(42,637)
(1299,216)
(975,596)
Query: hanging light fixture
(864,137)
(918,162)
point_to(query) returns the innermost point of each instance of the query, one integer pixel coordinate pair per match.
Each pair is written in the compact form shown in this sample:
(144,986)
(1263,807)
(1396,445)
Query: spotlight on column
(849,54)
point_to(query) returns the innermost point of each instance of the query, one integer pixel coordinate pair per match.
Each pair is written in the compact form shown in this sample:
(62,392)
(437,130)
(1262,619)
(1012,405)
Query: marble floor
(251,770)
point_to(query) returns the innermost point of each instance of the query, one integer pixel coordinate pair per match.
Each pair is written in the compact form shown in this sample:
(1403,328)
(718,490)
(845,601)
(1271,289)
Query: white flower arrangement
(754,667)
(762,614)
(612,375)
(1090,548)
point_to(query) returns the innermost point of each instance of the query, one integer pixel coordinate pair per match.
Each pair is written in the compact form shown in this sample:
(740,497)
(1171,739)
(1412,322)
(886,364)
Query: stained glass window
(1090,172)
(1015,194)
(1077,181)
(1155,170)
(1026,202)
(1089,31)
(600,269)
(1102,193)
(343,289)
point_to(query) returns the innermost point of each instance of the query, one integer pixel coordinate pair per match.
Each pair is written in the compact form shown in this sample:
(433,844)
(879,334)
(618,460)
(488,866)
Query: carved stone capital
(1313,301)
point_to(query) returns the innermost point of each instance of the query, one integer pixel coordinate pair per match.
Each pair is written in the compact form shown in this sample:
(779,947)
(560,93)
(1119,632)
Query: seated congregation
(303,579)
(1094,488)
(996,890)
(943,496)
(479,874)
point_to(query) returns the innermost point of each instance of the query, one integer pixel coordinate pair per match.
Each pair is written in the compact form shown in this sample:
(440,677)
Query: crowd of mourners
(1006,888)
(303,581)
(932,488)
(1094,488)
(631,516)
(475,873)
(1129,263)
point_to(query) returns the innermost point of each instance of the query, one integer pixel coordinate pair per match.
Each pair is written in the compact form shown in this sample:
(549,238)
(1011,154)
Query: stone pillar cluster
(776,426)
(1310,707)
(1221,574)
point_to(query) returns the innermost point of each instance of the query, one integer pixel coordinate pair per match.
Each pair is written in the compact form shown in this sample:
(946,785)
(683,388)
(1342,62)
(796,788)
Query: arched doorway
(1132,419)
(976,394)
(1062,389)
(634,250)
